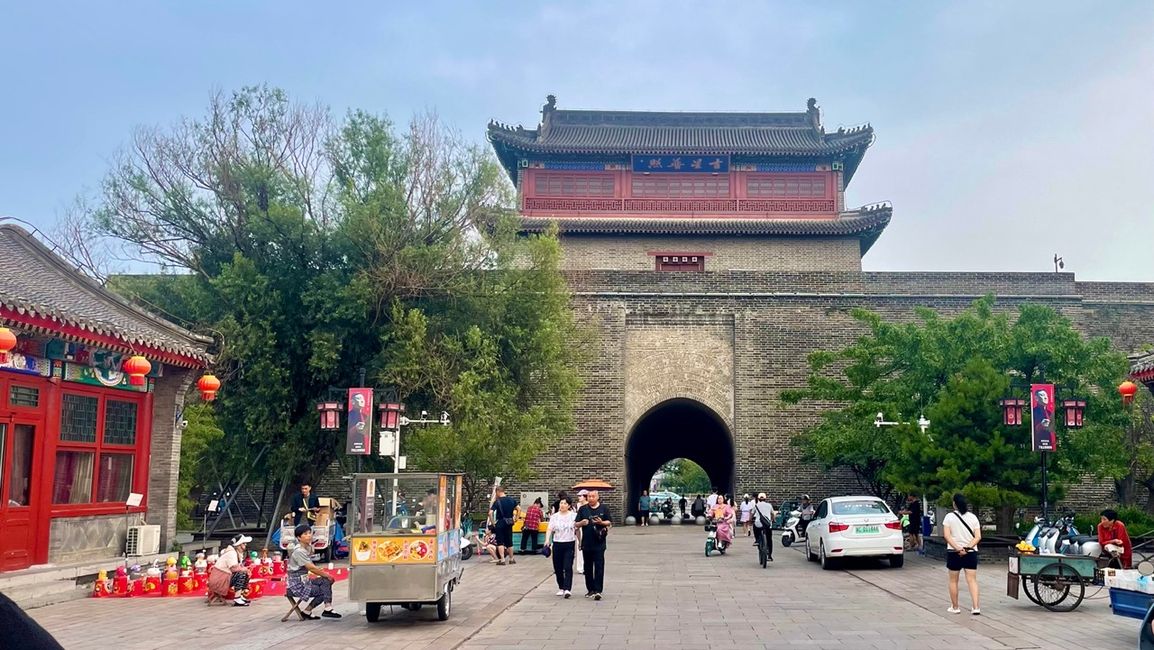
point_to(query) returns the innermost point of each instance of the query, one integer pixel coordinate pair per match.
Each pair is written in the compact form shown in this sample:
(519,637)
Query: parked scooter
(794,529)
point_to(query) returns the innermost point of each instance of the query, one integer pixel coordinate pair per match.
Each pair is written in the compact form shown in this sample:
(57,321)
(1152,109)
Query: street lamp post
(1042,424)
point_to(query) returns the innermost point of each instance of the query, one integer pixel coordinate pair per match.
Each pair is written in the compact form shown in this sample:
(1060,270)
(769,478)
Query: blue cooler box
(1134,604)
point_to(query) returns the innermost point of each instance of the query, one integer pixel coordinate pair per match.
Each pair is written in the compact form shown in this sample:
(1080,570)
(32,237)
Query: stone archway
(677,428)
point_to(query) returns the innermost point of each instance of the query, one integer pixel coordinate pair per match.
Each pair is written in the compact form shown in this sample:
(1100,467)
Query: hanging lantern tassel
(137,367)
(7,343)
(208,385)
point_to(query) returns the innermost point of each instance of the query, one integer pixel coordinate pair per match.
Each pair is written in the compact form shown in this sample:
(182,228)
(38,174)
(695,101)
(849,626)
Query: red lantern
(391,416)
(1012,411)
(137,367)
(7,342)
(1074,410)
(1127,390)
(330,415)
(208,385)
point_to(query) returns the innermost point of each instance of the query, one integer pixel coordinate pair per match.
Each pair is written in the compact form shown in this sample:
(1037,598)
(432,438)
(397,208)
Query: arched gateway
(678,428)
(712,252)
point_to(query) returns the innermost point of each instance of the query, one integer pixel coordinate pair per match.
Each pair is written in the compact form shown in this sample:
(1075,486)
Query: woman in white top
(561,540)
(962,531)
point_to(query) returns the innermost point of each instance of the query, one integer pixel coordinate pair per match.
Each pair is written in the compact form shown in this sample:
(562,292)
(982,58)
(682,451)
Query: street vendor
(316,589)
(1114,539)
(304,505)
(229,572)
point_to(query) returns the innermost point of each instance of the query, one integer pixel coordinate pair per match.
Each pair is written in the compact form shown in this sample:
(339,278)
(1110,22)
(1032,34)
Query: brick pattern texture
(734,339)
(633,253)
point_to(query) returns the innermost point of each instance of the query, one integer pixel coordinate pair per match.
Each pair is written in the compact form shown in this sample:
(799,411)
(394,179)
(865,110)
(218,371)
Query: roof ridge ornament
(546,114)
(814,112)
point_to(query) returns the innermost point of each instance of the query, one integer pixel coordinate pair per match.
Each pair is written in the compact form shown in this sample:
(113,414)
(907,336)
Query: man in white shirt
(763,515)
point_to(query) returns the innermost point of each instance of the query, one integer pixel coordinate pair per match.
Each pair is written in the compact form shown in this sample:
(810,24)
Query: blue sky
(1007,131)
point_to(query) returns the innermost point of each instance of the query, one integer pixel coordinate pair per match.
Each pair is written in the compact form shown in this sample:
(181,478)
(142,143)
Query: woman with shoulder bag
(962,531)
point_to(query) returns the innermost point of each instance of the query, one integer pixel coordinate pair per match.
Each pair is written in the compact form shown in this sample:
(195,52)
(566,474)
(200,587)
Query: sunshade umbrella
(594,484)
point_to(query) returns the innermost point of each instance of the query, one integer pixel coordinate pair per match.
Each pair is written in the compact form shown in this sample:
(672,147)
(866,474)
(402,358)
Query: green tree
(312,249)
(687,478)
(955,370)
(199,439)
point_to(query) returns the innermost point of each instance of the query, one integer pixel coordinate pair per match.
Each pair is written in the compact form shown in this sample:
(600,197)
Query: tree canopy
(312,248)
(955,371)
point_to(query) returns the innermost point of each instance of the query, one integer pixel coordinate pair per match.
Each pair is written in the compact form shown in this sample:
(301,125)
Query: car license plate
(866,530)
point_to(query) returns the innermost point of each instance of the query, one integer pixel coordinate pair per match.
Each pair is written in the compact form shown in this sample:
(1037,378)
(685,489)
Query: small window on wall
(680,262)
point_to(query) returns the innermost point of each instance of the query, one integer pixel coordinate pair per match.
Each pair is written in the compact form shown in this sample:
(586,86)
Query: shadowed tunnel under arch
(677,428)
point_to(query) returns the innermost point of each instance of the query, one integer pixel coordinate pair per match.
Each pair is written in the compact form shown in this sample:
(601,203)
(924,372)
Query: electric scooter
(794,529)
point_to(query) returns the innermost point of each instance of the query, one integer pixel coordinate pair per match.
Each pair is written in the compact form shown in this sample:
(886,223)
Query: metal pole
(1045,491)
(396,466)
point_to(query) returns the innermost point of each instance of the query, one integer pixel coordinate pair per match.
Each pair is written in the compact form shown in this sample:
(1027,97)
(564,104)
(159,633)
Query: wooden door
(17,520)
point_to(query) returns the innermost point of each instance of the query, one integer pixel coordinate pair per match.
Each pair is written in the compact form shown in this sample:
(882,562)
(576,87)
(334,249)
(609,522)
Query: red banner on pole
(360,421)
(1042,417)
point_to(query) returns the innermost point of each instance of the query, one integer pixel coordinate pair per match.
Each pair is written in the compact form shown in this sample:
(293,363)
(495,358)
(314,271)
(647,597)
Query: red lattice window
(680,262)
(558,184)
(785,186)
(662,186)
(101,440)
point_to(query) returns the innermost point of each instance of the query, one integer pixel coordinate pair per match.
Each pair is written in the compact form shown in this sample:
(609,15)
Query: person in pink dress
(723,515)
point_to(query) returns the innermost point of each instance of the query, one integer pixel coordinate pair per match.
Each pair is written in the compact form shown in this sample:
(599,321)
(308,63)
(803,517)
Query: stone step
(33,595)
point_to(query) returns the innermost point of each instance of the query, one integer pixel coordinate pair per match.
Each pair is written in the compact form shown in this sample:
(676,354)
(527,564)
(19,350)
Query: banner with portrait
(1042,421)
(360,421)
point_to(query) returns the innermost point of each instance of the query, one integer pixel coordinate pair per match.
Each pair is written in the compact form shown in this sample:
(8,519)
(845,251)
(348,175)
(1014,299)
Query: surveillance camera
(184,424)
(424,414)
(879,417)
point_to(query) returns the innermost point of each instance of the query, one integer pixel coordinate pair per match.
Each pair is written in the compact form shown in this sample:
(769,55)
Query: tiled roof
(1142,367)
(36,283)
(628,132)
(865,223)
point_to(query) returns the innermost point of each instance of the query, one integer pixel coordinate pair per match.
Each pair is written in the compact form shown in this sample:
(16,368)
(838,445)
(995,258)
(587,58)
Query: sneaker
(568,594)
(954,610)
(560,592)
(512,561)
(977,611)
(588,594)
(328,613)
(597,596)
(240,602)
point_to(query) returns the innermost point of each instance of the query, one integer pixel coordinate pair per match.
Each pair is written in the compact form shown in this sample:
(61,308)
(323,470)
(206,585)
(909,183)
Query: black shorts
(913,529)
(957,561)
(504,536)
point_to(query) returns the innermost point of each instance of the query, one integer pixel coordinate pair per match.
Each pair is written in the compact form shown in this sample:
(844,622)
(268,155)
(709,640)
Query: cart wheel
(444,604)
(1028,586)
(1059,588)
(372,612)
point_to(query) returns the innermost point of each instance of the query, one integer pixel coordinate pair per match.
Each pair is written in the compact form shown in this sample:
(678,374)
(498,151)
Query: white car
(660,497)
(854,527)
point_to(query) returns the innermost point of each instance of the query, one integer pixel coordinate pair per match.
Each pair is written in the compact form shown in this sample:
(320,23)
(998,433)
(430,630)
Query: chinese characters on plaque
(691,164)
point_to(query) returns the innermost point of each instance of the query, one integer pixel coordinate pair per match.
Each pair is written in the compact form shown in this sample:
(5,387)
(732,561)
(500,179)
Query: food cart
(401,558)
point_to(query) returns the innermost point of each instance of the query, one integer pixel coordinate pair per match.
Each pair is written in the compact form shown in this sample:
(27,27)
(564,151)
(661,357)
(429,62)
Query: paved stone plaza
(661,591)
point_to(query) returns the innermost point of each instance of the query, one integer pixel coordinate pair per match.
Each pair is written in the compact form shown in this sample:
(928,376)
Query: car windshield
(863,507)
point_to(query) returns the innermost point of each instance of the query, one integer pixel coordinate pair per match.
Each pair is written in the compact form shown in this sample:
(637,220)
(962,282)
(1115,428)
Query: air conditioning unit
(142,540)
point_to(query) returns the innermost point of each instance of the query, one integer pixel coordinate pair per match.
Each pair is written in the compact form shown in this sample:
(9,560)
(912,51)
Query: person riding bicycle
(763,524)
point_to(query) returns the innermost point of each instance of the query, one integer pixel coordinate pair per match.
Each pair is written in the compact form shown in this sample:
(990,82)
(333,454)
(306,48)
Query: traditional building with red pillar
(77,435)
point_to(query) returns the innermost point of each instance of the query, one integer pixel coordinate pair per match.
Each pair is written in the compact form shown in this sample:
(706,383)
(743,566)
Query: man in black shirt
(593,518)
(503,509)
(304,505)
(913,509)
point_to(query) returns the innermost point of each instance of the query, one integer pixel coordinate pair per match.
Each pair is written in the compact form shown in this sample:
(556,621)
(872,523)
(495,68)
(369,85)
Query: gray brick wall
(775,318)
(164,462)
(632,253)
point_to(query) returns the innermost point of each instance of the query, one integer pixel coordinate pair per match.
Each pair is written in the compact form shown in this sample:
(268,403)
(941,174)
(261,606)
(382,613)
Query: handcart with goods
(1056,582)
(325,529)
